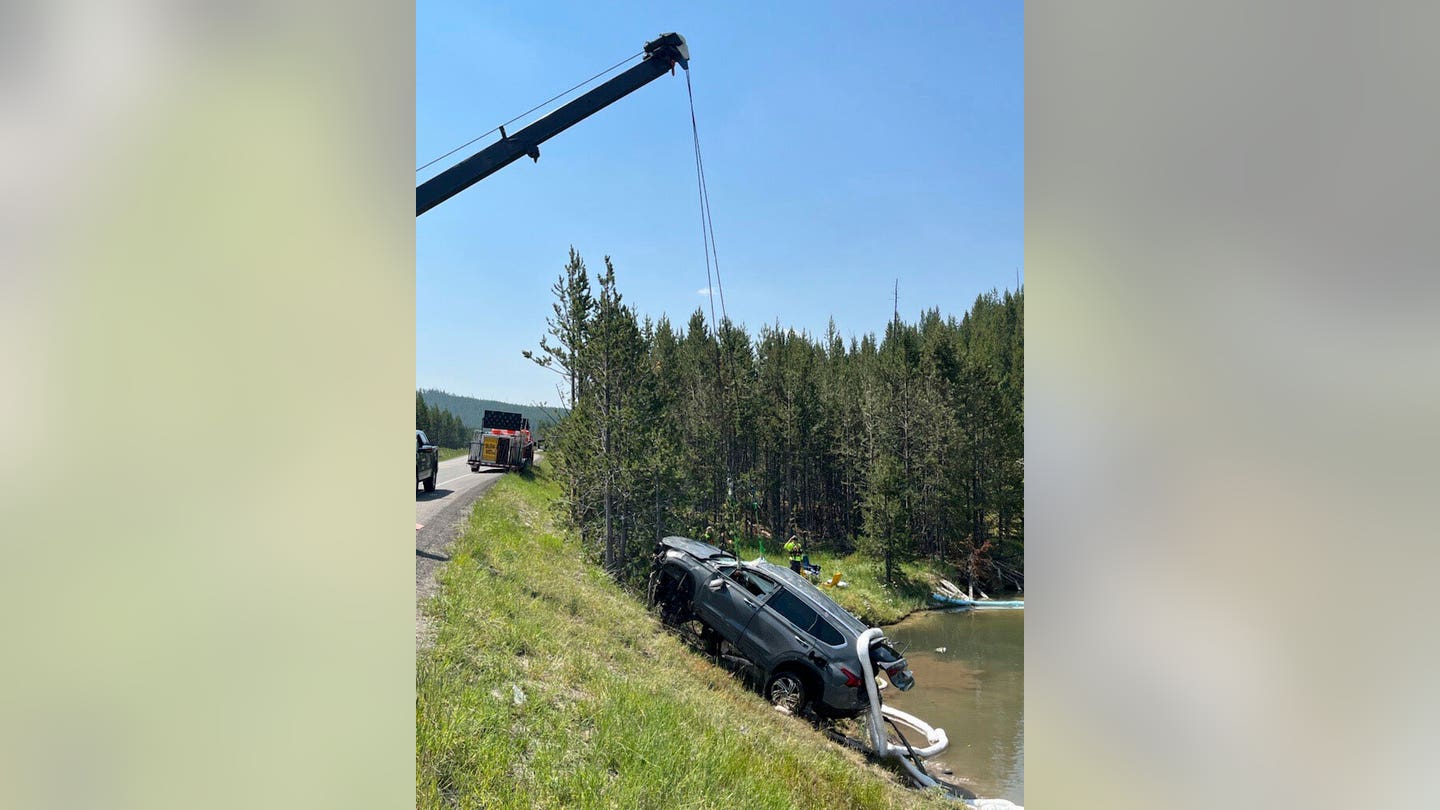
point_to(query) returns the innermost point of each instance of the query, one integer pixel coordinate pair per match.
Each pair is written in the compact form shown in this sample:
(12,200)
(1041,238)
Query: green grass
(548,686)
(868,597)
(447,453)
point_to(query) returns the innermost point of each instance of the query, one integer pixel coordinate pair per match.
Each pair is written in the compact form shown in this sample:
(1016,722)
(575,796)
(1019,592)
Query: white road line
(443,483)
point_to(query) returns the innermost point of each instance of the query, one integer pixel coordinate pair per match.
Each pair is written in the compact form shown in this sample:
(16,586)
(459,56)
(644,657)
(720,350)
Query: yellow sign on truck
(503,440)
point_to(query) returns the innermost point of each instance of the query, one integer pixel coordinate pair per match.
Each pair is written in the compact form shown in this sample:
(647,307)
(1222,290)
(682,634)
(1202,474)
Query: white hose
(935,736)
(862,650)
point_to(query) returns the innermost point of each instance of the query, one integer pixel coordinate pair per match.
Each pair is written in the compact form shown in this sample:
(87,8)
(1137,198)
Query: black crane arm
(661,56)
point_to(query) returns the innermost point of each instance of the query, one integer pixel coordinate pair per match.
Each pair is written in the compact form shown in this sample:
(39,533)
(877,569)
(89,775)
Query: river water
(974,689)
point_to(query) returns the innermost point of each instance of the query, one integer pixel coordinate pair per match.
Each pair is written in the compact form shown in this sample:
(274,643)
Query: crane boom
(661,55)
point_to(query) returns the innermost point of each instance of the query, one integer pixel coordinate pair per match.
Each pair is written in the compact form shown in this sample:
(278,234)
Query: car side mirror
(717,584)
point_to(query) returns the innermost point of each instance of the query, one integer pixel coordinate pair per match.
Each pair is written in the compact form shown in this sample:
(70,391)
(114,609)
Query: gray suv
(772,622)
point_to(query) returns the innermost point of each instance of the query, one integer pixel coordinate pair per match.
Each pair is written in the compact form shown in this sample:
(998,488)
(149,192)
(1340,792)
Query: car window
(754,583)
(827,633)
(795,611)
(835,614)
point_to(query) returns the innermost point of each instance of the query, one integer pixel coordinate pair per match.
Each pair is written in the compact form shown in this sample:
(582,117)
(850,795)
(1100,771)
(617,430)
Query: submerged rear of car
(800,644)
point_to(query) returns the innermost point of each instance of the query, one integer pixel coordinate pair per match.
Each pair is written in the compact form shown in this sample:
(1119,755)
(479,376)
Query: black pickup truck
(427,461)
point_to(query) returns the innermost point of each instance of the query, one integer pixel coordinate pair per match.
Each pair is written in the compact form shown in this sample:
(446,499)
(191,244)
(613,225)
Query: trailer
(504,440)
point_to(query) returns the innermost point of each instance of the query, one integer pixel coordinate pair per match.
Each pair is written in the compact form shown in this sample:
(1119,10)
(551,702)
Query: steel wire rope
(700,194)
(714,251)
(707,232)
(707,224)
(531,110)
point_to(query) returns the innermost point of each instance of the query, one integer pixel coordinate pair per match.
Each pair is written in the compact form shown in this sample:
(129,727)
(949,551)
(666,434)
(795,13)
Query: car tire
(787,690)
(430,482)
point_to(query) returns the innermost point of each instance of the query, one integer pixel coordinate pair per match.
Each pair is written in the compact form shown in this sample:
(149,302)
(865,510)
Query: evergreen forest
(899,446)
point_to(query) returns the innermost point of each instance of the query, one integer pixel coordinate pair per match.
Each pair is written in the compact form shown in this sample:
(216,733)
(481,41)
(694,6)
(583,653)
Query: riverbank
(549,686)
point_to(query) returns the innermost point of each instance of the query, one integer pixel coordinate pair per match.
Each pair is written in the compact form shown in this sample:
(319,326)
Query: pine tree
(422,414)
(574,308)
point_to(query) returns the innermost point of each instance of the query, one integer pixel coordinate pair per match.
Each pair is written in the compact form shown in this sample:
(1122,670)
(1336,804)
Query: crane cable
(707,232)
(531,110)
(707,225)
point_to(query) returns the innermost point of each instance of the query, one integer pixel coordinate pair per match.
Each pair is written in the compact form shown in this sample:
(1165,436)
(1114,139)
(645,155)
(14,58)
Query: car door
(782,628)
(728,608)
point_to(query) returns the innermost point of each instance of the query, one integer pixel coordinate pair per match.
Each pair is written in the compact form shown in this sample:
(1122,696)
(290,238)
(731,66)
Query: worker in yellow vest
(792,547)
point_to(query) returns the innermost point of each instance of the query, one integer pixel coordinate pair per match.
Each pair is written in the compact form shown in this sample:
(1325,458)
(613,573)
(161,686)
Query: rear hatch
(889,660)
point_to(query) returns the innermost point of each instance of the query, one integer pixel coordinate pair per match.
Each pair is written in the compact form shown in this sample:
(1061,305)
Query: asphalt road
(438,516)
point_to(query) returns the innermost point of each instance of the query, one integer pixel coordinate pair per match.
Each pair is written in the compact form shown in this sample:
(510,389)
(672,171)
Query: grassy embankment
(548,686)
(867,596)
(447,453)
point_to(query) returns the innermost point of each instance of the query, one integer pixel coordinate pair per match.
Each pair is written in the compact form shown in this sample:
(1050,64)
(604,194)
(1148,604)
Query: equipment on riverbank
(978,604)
(950,594)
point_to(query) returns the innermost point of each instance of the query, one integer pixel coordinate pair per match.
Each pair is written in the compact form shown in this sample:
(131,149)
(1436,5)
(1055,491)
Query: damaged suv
(773,623)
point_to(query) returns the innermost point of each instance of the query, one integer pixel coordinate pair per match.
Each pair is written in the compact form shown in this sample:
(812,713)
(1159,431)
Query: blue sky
(846,145)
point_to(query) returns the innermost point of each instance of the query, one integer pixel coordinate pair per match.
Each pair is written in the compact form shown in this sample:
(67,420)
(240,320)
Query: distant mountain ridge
(472,410)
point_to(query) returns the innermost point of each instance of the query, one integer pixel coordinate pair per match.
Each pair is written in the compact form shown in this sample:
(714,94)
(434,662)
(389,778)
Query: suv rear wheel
(786,690)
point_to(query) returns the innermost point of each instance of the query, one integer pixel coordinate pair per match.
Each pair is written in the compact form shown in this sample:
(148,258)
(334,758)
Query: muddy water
(975,690)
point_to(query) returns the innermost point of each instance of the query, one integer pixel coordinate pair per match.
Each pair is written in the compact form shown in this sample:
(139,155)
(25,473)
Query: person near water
(792,547)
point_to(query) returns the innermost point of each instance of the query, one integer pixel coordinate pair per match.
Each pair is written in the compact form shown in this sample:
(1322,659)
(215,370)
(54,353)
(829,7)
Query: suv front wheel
(786,690)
